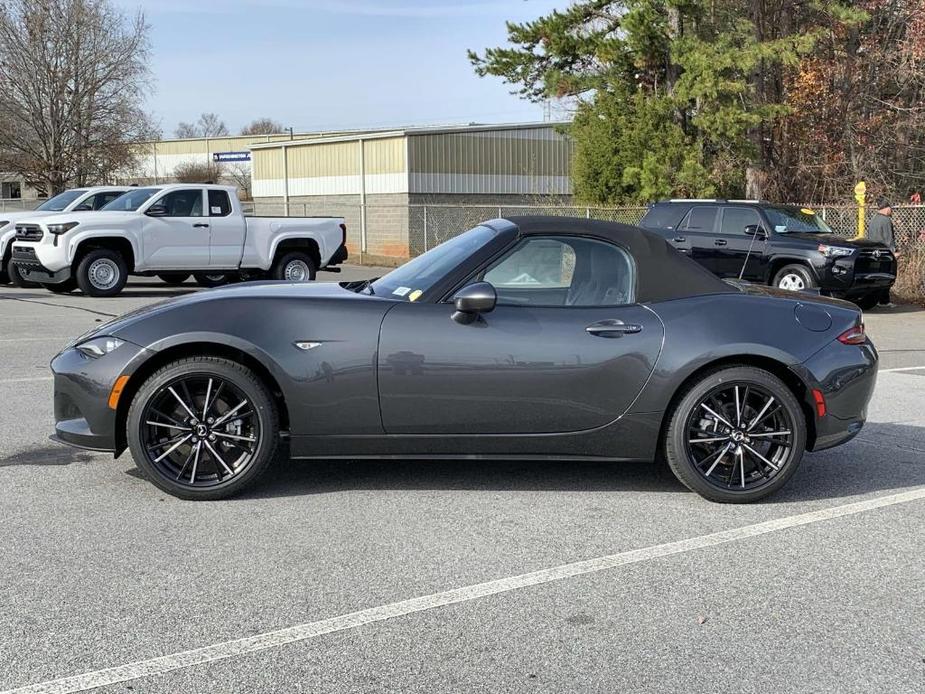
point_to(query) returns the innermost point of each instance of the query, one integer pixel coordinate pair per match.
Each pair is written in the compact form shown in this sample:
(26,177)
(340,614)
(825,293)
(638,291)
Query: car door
(175,233)
(227,231)
(698,231)
(564,350)
(738,244)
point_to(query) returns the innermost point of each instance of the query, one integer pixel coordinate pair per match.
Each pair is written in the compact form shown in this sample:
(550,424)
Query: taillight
(853,336)
(819,399)
(343,234)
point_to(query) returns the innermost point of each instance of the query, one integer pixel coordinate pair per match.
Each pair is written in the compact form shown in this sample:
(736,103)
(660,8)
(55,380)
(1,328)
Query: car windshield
(130,201)
(61,200)
(796,219)
(415,277)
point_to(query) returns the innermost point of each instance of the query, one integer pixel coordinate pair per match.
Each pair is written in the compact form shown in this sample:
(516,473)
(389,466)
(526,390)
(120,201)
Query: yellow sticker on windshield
(415,295)
(806,210)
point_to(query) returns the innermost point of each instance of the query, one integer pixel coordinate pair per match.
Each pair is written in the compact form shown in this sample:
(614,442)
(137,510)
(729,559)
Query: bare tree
(73,76)
(239,173)
(197,172)
(262,126)
(208,125)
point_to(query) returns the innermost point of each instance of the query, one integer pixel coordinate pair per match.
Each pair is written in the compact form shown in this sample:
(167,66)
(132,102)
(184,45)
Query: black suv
(782,245)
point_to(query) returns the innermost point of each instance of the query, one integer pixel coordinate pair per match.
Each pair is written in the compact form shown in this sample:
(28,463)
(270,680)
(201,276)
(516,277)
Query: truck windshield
(796,219)
(130,201)
(61,200)
(415,277)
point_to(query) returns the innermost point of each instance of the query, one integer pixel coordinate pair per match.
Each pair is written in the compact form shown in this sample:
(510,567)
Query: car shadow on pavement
(887,457)
(48,455)
(128,293)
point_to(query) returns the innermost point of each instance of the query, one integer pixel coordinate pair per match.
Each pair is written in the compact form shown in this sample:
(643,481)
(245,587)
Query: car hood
(307,291)
(832,239)
(84,218)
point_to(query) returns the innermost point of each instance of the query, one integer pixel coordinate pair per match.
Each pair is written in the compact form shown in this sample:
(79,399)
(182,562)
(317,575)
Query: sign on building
(230,156)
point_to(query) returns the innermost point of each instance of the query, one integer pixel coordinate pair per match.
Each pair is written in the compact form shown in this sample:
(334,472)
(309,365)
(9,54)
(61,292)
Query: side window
(219,203)
(562,271)
(182,203)
(701,218)
(101,199)
(735,219)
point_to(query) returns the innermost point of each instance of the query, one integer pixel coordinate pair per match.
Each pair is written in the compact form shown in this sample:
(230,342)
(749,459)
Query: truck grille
(874,260)
(29,232)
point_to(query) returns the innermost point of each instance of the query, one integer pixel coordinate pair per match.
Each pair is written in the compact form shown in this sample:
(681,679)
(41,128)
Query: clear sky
(330,64)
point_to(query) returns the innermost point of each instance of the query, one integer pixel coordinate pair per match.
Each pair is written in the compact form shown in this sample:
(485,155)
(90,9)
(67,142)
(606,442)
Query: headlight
(99,346)
(834,251)
(61,228)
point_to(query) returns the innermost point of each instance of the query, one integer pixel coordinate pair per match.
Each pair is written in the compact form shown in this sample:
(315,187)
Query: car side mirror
(472,300)
(756,231)
(157,211)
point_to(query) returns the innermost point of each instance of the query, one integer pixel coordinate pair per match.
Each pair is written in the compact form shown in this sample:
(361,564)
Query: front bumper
(846,376)
(82,386)
(852,277)
(32,269)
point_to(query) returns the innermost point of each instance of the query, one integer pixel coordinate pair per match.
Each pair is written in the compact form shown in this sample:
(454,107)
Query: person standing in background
(881,230)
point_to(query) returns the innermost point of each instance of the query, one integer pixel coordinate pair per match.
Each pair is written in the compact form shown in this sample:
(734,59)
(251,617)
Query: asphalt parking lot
(454,576)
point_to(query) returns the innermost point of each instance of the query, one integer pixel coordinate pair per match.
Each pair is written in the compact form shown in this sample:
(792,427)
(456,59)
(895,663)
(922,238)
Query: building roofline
(353,136)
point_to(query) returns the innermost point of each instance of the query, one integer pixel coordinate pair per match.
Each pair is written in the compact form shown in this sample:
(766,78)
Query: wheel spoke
(205,405)
(192,450)
(167,426)
(722,452)
(738,408)
(172,448)
(249,439)
(760,457)
(218,458)
(741,456)
(161,414)
(225,417)
(192,474)
(180,400)
(765,434)
(716,415)
(760,415)
(709,440)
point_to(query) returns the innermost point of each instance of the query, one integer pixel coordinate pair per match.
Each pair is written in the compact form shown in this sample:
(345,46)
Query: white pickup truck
(173,231)
(74,200)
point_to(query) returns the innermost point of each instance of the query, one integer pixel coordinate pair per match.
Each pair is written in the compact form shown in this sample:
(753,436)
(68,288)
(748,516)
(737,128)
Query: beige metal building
(381,181)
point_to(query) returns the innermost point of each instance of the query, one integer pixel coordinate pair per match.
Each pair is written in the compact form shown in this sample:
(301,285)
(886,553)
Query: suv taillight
(853,336)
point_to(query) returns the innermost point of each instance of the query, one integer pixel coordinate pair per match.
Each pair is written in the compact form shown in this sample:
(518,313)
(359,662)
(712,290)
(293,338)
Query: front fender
(72,243)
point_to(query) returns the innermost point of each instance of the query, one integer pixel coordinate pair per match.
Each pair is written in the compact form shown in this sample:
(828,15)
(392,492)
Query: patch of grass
(910,283)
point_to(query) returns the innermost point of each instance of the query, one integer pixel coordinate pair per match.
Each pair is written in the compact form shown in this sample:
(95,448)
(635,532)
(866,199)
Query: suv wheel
(794,278)
(101,272)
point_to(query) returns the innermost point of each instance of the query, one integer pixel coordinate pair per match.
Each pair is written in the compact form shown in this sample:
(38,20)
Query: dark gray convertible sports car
(534,337)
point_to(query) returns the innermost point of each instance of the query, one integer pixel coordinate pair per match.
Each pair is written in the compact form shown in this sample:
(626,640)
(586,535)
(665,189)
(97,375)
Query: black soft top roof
(662,273)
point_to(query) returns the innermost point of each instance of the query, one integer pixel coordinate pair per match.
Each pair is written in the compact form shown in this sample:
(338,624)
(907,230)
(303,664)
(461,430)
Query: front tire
(295,266)
(17,280)
(101,273)
(795,278)
(868,301)
(737,435)
(211,280)
(203,428)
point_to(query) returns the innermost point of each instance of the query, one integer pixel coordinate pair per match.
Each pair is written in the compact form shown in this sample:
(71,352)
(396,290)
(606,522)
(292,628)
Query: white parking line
(903,368)
(302,632)
(26,380)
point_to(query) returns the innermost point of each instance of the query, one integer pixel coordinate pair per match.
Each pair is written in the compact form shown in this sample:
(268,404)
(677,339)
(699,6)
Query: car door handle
(612,328)
(720,242)
(200,225)
(679,239)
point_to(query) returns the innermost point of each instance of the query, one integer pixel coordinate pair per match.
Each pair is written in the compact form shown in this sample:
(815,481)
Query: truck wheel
(101,272)
(62,288)
(4,275)
(794,278)
(211,280)
(294,266)
(17,280)
(174,279)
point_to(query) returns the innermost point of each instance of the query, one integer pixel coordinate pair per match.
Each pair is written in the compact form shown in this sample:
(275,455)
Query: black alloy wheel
(203,428)
(738,435)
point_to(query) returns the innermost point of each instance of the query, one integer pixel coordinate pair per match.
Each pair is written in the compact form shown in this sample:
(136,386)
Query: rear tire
(17,280)
(102,273)
(745,456)
(868,301)
(208,280)
(174,280)
(245,445)
(62,288)
(795,278)
(294,266)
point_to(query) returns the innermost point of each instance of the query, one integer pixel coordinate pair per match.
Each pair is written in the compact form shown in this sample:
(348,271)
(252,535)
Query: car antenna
(749,253)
